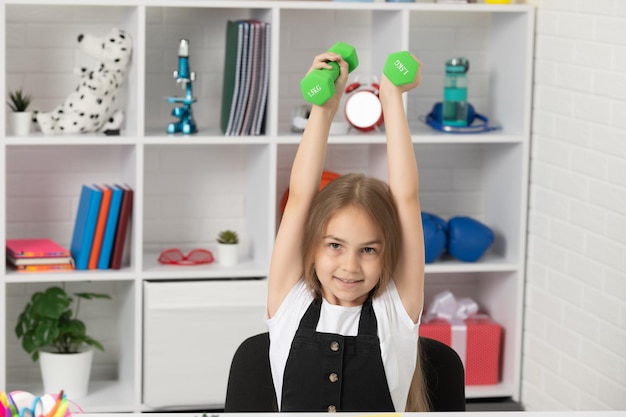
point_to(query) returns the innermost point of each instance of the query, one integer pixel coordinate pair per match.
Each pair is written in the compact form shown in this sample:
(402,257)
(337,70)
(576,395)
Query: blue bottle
(455,92)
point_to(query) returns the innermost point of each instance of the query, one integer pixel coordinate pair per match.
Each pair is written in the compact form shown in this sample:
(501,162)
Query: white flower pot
(20,122)
(66,371)
(227,254)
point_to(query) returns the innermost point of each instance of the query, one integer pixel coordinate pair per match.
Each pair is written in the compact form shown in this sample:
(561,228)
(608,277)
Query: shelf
(187,188)
(423,137)
(246,268)
(420,135)
(446,8)
(489,391)
(124,274)
(488,263)
(204,137)
(38,139)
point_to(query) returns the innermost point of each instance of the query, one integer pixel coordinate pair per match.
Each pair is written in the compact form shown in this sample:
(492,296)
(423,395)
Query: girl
(345,289)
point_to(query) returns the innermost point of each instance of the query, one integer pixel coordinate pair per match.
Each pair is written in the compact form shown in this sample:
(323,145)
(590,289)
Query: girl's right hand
(321,61)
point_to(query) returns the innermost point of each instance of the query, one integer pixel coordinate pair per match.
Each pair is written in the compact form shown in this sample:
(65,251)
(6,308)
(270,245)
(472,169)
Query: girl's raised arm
(286,266)
(404,185)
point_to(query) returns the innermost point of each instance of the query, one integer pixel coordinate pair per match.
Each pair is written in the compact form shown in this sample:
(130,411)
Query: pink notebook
(35,248)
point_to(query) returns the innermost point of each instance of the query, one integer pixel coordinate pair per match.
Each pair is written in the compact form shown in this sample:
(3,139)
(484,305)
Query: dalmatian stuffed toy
(95,104)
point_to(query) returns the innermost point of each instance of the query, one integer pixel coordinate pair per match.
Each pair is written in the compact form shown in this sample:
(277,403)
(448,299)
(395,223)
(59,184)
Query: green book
(242,72)
(232,74)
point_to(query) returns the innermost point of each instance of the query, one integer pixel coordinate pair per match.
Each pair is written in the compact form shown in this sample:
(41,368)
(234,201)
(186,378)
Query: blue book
(111,226)
(85,225)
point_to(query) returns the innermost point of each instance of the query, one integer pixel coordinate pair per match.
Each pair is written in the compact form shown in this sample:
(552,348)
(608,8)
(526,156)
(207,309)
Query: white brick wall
(575,323)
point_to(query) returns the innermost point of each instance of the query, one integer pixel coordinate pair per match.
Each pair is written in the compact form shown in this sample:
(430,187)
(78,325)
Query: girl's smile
(345,283)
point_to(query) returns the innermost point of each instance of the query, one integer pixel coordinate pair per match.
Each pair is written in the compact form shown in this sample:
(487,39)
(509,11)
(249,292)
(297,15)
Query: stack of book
(32,255)
(246,77)
(100,229)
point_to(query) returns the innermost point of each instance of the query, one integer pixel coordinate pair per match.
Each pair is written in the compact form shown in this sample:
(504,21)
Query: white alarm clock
(362,108)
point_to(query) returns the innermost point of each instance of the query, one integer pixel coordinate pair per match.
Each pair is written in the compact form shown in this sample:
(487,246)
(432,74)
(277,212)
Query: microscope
(185,125)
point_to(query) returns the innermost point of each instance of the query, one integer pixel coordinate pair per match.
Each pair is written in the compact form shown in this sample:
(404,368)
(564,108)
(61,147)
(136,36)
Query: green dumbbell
(319,85)
(401,68)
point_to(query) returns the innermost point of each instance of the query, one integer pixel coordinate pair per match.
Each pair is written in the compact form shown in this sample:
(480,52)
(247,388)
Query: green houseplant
(228,237)
(49,321)
(18,100)
(228,247)
(52,333)
(20,117)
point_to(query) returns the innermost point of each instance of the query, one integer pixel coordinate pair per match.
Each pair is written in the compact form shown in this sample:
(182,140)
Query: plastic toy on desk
(186,125)
(25,404)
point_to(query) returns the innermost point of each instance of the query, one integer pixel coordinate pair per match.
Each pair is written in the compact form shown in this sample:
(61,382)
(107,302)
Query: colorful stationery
(44,268)
(35,248)
(37,255)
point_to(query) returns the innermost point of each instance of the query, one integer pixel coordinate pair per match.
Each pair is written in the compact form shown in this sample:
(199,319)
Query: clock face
(363,110)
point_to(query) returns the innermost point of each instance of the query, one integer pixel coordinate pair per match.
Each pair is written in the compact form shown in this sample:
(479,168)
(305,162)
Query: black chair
(250,387)
(444,375)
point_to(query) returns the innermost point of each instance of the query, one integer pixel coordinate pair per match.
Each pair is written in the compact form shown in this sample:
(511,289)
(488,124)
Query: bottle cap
(458,64)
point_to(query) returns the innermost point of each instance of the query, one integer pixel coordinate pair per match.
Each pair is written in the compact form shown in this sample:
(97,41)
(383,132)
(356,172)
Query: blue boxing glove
(435,236)
(468,238)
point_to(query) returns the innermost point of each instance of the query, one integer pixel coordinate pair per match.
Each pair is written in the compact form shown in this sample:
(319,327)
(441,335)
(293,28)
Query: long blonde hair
(366,193)
(417,400)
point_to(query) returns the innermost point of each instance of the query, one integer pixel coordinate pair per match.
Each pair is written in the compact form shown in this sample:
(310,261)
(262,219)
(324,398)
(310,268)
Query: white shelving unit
(189,188)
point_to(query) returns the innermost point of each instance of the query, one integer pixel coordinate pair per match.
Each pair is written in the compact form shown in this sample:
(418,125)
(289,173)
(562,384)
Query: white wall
(575,322)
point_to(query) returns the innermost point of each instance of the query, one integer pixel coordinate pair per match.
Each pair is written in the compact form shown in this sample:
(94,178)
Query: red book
(122,226)
(100,226)
(35,248)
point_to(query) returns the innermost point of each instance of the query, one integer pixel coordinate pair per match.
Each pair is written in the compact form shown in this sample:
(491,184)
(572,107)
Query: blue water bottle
(455,92)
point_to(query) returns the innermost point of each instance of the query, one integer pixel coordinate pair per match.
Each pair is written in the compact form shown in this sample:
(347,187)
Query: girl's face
(349,261)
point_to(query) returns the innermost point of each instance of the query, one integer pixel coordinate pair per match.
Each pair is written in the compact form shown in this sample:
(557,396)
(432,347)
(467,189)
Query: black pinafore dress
(331,372)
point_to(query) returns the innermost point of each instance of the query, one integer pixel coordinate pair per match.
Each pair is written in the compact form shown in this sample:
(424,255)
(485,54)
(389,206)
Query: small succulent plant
(18,100)
(228,237)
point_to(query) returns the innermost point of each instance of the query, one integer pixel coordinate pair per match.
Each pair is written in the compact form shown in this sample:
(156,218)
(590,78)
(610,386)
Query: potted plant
(52,333)
(228,247)
(20,118)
